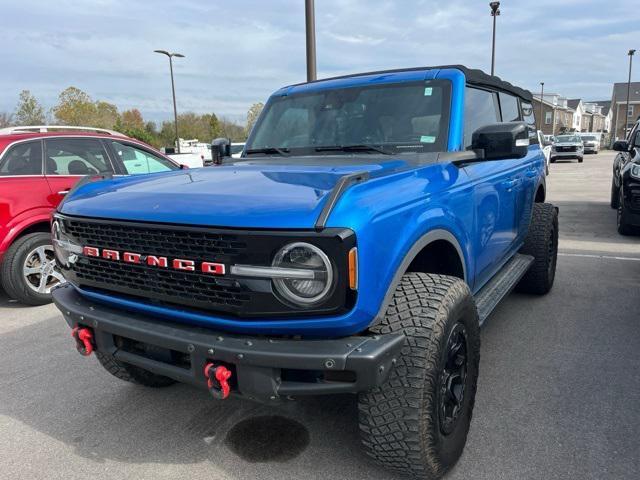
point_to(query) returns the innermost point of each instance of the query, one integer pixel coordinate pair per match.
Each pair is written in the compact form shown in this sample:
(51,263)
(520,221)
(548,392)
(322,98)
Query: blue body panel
(485,206)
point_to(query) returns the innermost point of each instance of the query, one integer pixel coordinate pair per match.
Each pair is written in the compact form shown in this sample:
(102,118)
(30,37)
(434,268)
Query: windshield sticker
(427,139)
(428,91)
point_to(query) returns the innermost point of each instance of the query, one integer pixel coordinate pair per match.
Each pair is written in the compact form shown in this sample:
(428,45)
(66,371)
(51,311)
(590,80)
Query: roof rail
(57,128)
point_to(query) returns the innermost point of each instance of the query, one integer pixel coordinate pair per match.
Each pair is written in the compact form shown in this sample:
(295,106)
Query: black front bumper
(264,368)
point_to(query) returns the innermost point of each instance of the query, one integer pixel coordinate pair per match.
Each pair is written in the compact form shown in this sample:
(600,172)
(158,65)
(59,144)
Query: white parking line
(608,257)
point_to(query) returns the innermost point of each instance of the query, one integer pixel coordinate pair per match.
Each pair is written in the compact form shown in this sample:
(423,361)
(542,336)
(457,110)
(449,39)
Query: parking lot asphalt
(558,396)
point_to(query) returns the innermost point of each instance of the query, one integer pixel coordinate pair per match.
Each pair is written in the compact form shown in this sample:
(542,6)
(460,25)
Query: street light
(310,22)
(541,102)
(626,115)
(173,90)
(495,11)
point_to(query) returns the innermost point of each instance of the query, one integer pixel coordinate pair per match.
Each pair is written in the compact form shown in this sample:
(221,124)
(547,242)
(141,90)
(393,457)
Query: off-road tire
(400,421)
(11,277)
(614,195)
(624,228)
(131,373)
(542,244)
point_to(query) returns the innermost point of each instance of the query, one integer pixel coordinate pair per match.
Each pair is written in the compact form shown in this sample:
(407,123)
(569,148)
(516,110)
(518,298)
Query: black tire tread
(396,423)
(536,280)
(131,373)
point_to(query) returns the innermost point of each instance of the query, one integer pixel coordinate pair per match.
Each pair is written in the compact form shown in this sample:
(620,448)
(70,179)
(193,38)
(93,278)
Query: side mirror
(621,146)
(501,141)
(220,148)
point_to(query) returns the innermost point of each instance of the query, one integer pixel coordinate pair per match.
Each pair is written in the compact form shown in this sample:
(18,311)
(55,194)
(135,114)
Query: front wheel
(29,272)
(417,422)
(614,195)
(624,227)
(580,160)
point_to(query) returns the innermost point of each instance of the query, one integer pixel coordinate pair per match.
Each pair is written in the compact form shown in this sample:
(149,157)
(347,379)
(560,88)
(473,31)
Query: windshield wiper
(353,148)
(280,151)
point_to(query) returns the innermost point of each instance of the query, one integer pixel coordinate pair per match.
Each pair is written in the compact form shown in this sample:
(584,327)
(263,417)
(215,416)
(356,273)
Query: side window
(22,159)
(509,107)
(529,117)
(479,110)
(136,161)
(75,156)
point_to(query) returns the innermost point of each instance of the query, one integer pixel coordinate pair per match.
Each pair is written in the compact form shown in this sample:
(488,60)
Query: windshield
(236,148)
(393,117)
(589,138)
(567,139)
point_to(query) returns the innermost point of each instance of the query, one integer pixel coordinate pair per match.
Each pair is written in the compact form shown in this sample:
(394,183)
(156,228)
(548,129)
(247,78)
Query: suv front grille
(222,294)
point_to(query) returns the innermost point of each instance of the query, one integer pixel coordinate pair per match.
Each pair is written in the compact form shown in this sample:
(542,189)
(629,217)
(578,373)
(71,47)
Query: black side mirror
(501,141)
(621,146)
(220,148)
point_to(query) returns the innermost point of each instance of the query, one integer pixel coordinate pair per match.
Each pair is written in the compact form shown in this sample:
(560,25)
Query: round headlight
(315,279)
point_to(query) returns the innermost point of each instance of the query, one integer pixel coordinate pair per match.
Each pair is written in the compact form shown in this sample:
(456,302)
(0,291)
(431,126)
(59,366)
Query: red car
(38,166)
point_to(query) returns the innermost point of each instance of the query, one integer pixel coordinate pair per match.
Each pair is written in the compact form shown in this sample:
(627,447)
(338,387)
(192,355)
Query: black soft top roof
(474,77)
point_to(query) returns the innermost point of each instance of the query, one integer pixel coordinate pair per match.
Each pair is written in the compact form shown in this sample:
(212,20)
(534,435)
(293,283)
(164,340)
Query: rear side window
(528,116)
(75,156)
(509,107)
(22,159)
(479,109)
(136,161)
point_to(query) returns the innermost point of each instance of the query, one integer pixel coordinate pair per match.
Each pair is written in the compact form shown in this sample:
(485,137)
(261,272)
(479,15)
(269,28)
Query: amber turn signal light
(353,268)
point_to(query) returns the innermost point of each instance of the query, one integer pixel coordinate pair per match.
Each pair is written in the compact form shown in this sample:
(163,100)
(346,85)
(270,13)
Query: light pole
(626,114)
(495,11)
(541,103)
(173,90)
(310,22)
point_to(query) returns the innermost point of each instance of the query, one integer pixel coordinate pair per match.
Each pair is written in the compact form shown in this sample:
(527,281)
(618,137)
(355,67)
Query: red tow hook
(84,340)
(217,380)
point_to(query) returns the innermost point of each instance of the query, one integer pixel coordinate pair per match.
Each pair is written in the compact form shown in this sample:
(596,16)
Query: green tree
(132,119)
(106,115)
(253,114)
(29,111)
(75,107)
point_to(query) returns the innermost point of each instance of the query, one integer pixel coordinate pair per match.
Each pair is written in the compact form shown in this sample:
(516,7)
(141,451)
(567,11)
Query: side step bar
(501,284)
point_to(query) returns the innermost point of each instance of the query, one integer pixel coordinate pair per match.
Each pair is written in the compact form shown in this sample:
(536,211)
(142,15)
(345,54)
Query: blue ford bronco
(370,227)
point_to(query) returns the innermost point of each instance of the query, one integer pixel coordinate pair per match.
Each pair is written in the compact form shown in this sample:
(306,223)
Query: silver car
(567,147)
(591,143)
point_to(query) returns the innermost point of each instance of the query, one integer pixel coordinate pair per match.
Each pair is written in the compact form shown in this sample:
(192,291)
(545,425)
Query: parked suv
(38,167)
(369,228)
(567,147)
(625,184)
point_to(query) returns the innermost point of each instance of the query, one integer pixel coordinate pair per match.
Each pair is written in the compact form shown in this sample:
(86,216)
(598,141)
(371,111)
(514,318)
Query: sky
(237,52)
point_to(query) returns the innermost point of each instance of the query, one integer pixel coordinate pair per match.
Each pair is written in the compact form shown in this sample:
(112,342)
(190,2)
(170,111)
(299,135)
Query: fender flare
(422,242)
(25,220)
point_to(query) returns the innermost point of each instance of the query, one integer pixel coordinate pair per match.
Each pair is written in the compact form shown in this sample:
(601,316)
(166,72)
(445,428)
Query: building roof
(605,104)
(473,76)
(573,103)
(620,92)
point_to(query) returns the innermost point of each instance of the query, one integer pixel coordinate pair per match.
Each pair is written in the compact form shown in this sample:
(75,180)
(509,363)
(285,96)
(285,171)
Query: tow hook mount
(218,380)
(84,340)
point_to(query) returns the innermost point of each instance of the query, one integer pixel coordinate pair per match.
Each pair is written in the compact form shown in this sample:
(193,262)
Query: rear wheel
(28,271)
(542,244)
(417,422)
(131,373)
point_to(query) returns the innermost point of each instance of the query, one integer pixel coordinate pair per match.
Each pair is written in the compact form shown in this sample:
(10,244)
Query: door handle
(509,184)
(64,192)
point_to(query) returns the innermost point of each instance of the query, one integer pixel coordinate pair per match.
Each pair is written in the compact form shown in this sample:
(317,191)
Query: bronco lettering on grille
(155,261)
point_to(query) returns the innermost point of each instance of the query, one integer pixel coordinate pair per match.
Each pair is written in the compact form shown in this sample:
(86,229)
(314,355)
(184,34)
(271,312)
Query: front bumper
(265,369)
(567,154)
